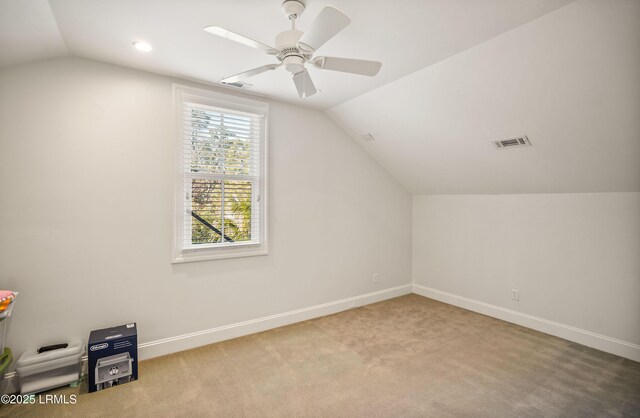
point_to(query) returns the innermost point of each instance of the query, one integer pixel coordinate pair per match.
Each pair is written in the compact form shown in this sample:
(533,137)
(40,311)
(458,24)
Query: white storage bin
(51,369)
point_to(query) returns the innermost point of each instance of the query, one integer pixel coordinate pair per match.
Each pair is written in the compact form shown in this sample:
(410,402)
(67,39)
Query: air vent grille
(238,84)
(521,141)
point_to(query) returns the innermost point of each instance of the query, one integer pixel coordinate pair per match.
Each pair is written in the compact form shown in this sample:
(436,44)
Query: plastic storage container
(5,316)
(5,352)
(51,369)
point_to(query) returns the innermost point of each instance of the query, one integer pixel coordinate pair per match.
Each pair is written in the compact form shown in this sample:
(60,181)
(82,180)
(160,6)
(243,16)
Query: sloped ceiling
(456,74)
(570,80)
(28,32)
(406,35)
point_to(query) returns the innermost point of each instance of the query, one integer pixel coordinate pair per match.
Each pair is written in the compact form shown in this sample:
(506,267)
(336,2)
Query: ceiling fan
(294,48)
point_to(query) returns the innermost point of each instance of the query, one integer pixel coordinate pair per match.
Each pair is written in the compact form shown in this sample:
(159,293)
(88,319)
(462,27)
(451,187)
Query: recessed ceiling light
(142,46)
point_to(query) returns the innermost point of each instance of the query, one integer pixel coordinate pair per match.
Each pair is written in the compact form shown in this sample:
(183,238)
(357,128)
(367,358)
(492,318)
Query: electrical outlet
(515,295)
(375,278)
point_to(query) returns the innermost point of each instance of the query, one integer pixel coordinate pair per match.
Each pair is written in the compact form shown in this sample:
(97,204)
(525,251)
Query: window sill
(204,254)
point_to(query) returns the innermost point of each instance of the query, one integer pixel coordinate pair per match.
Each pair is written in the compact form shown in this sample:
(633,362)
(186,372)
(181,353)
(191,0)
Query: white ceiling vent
(368,137)
(521,141)
(238,84)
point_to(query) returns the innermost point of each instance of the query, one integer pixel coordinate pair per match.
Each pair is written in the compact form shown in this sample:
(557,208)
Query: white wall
(85,212)
(575,258)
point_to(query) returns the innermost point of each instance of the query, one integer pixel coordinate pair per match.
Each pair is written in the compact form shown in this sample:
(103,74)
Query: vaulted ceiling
(456,74)
(405,35)
(569,80)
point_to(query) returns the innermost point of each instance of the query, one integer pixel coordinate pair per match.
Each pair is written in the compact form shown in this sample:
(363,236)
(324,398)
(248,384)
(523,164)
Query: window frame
(180,252)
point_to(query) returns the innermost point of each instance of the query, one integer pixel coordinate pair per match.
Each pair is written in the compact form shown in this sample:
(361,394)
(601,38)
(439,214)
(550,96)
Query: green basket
(5,359)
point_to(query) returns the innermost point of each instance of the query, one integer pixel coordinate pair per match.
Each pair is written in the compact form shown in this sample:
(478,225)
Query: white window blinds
(221,177)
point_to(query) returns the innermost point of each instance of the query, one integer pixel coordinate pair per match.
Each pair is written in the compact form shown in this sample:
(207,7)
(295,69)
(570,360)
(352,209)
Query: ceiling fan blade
(304,84)
(325,26)
(237,77)
(348,65)
(232,36)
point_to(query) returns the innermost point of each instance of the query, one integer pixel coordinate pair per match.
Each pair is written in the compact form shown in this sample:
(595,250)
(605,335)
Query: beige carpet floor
(405,357)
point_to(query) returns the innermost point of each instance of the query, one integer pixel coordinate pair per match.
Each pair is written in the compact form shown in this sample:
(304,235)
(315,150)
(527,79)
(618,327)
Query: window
(220,199)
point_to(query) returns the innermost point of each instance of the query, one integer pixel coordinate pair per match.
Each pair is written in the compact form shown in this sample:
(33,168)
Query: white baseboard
(581,336)
(209,336)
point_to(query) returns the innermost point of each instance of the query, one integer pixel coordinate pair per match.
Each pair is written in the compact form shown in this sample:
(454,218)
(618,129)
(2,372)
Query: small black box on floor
(113,356)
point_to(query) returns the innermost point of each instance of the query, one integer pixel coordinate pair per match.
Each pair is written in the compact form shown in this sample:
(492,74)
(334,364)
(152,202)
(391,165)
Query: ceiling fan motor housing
(290,55)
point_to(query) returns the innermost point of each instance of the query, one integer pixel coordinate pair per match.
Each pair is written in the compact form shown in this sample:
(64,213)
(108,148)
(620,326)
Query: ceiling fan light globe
(294,68)
(293,64)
